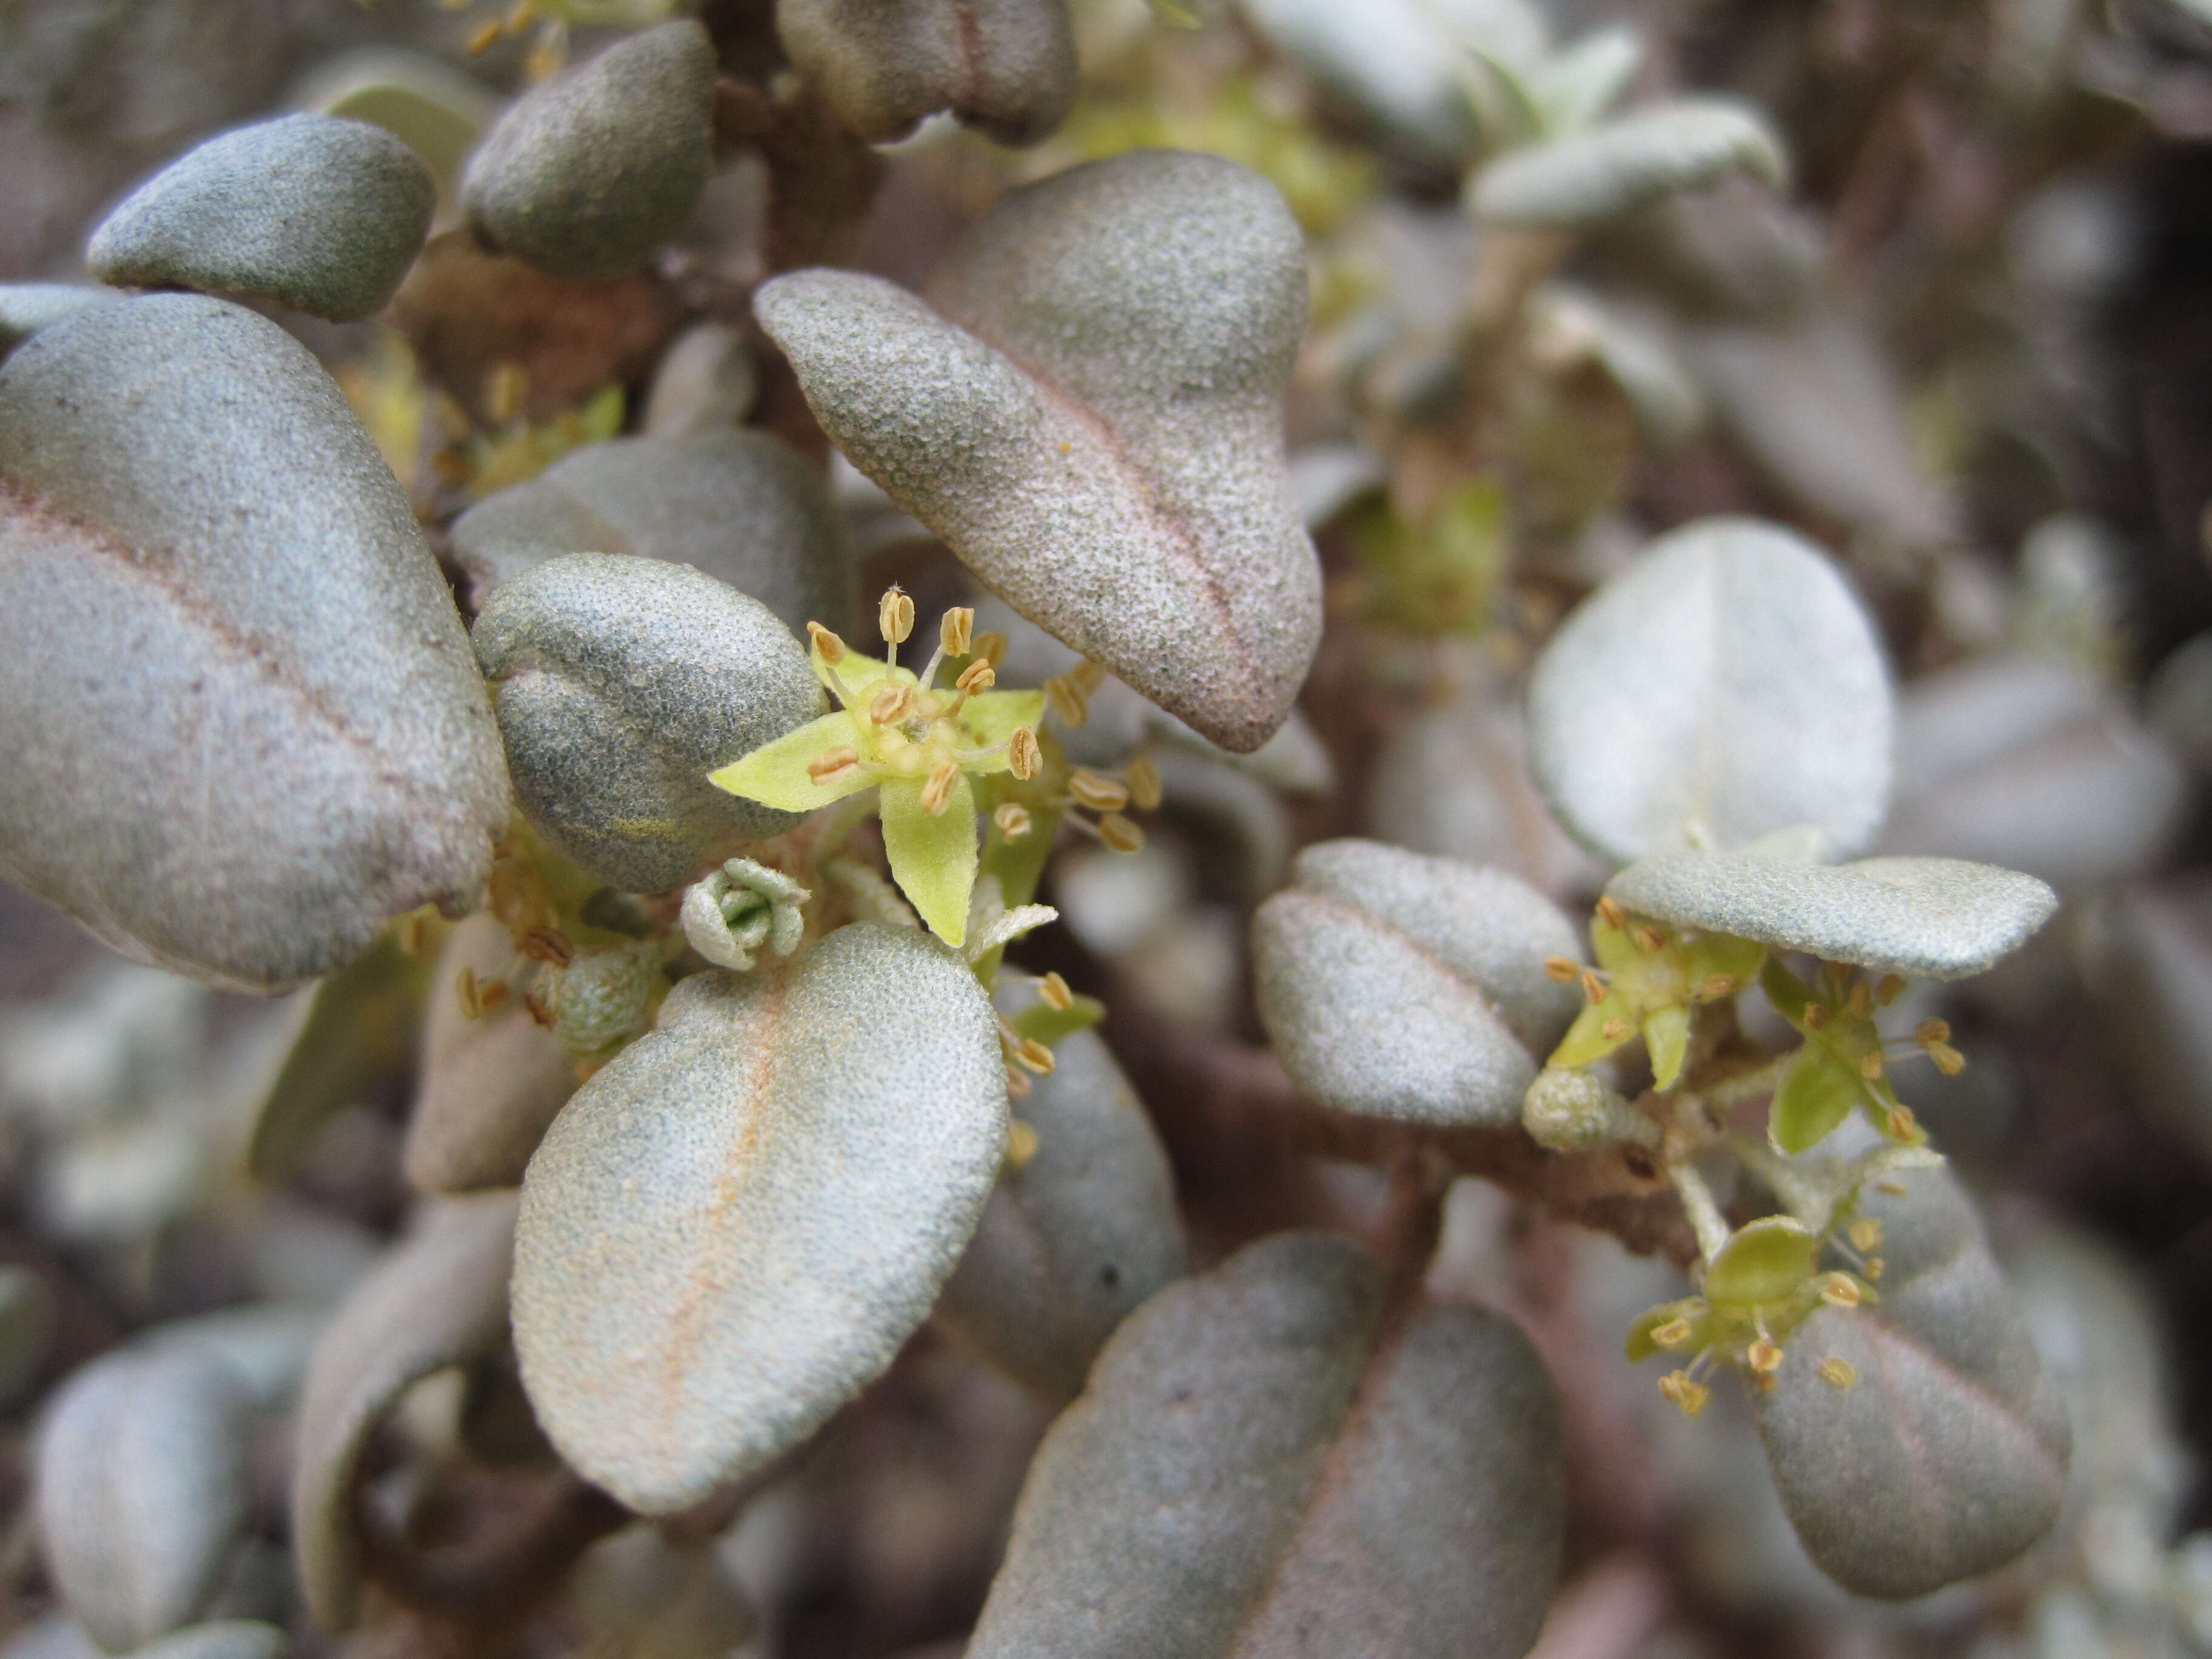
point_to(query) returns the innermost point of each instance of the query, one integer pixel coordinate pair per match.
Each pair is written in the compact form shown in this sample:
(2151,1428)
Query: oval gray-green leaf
(1628,163)
(321,214)
(1410,988)
(143,1483)
(1930,918)
(490,1085)
(1260,1466)
(1005,67)
(222,1638)
(1091,418)
(585,176)
(1073,1240)
(707,382)
(742,507)
(734,1225)
(27,307)
(435,109)
(438,1300)
(348,1033)
(620,684)
(1726,686)
(1947,1456)
(246,725)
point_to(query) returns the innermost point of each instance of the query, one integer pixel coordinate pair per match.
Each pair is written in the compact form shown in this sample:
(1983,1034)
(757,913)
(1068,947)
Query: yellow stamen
(891,704)
(1144,782)
(1024,759)
(978,676)
(1674,1333)
(1035,1055)
(1612,916)
(1053,991)
(894,615)
(1840,1290)
(1013,819)
(1891,986)
(1119,833)
(1066,700)
(1866,1234)
(1021,1141)
(827,645)
(1838,1373)
(956,629)
(1565,969)
(937,794)
(990,647)
(1100,794)
(832,762)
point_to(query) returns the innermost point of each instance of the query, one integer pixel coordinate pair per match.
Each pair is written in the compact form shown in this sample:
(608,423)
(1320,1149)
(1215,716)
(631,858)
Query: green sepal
(1764,1262)
(1586,1039)
(1817,1094)
(1641,1346)
(991,717)
(1048,1025)
(1666,1037)
(775,774)
(932,854)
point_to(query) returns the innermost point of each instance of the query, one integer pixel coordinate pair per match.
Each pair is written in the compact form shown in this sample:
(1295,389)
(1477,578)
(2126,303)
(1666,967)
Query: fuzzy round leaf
(1930,918)
(321,214)
(435,109)
(1622,165)
(741,507)
(143,1483)
(1091,418)
(1005,67)
(735,1224)
(245,727)
(585,176)
(490,1085)
(1258,1467)
(706,383)
(620,684)
(1073,1240)
(1404,986)
(438,1300)
(1728,685)
(1947,1456)
(27,307)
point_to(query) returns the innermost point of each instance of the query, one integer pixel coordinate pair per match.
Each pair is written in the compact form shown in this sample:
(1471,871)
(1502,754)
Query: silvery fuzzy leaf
(222,1638)
(321,214)
(26,1329)
(266,1346)
(435,109)
(27,307)
(1325,478)
(589,174)
(1728,685)
(338,1040)
(1947,1456)
(246,728)
(1633,349)
(2152,980)
(1091,418)
(490,1085)
(1259,1467)
(1410,988)
(735,1224)
(1404,64)
(707,382)
(143,1483)
(1005,67)
(2026,764)
(1076,1237)
(438,1300)
(1574,86)
(1929,918)
(741,507)
(1454,782)
(1606,171)
(54,1638)
(640,1597)
(1813,401)
(620,684)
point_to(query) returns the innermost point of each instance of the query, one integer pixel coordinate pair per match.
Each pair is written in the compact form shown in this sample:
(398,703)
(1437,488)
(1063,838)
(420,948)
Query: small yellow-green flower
(1647,980)
(916,744)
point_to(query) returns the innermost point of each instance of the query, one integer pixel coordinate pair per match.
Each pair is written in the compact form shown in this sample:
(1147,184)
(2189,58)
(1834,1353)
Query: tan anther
(414,935)
(1565,969)
(1870,1064)
(1891,986)
(1100,794)
(1816,1017)
(1066,700)
(1088,676)
(484,35)
(1119,833)
(1763,1355)
(1615,1030)
(1840,1290)
(1612,914)
(990,647)
(1021,1142)
(1144,782)
(977,676)
(1716,987)
(827,645)
(832,762)
(469,993)
(1018,1082)
(1035,1055)
(549,944)
(937,792)
(895,615)
(1838,1373)
(1593,986)
(1024,759)
(1674,1333)
(1874,1269)
(1650,938)
(1903,1125)
(956,630)
(1893,1188)
(1931,1031)
(1866,1234)
(891,704)
(1860,1003)
(506,385)
(1948,1060)
(1686,1392)
(1053,992)
(1013,819)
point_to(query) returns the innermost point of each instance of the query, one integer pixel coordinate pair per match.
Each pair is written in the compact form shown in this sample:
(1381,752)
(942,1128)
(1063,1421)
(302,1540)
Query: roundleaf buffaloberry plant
(1219,830)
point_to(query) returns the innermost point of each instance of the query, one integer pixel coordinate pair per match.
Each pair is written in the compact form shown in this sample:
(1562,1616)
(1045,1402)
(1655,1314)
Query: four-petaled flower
(916,744)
